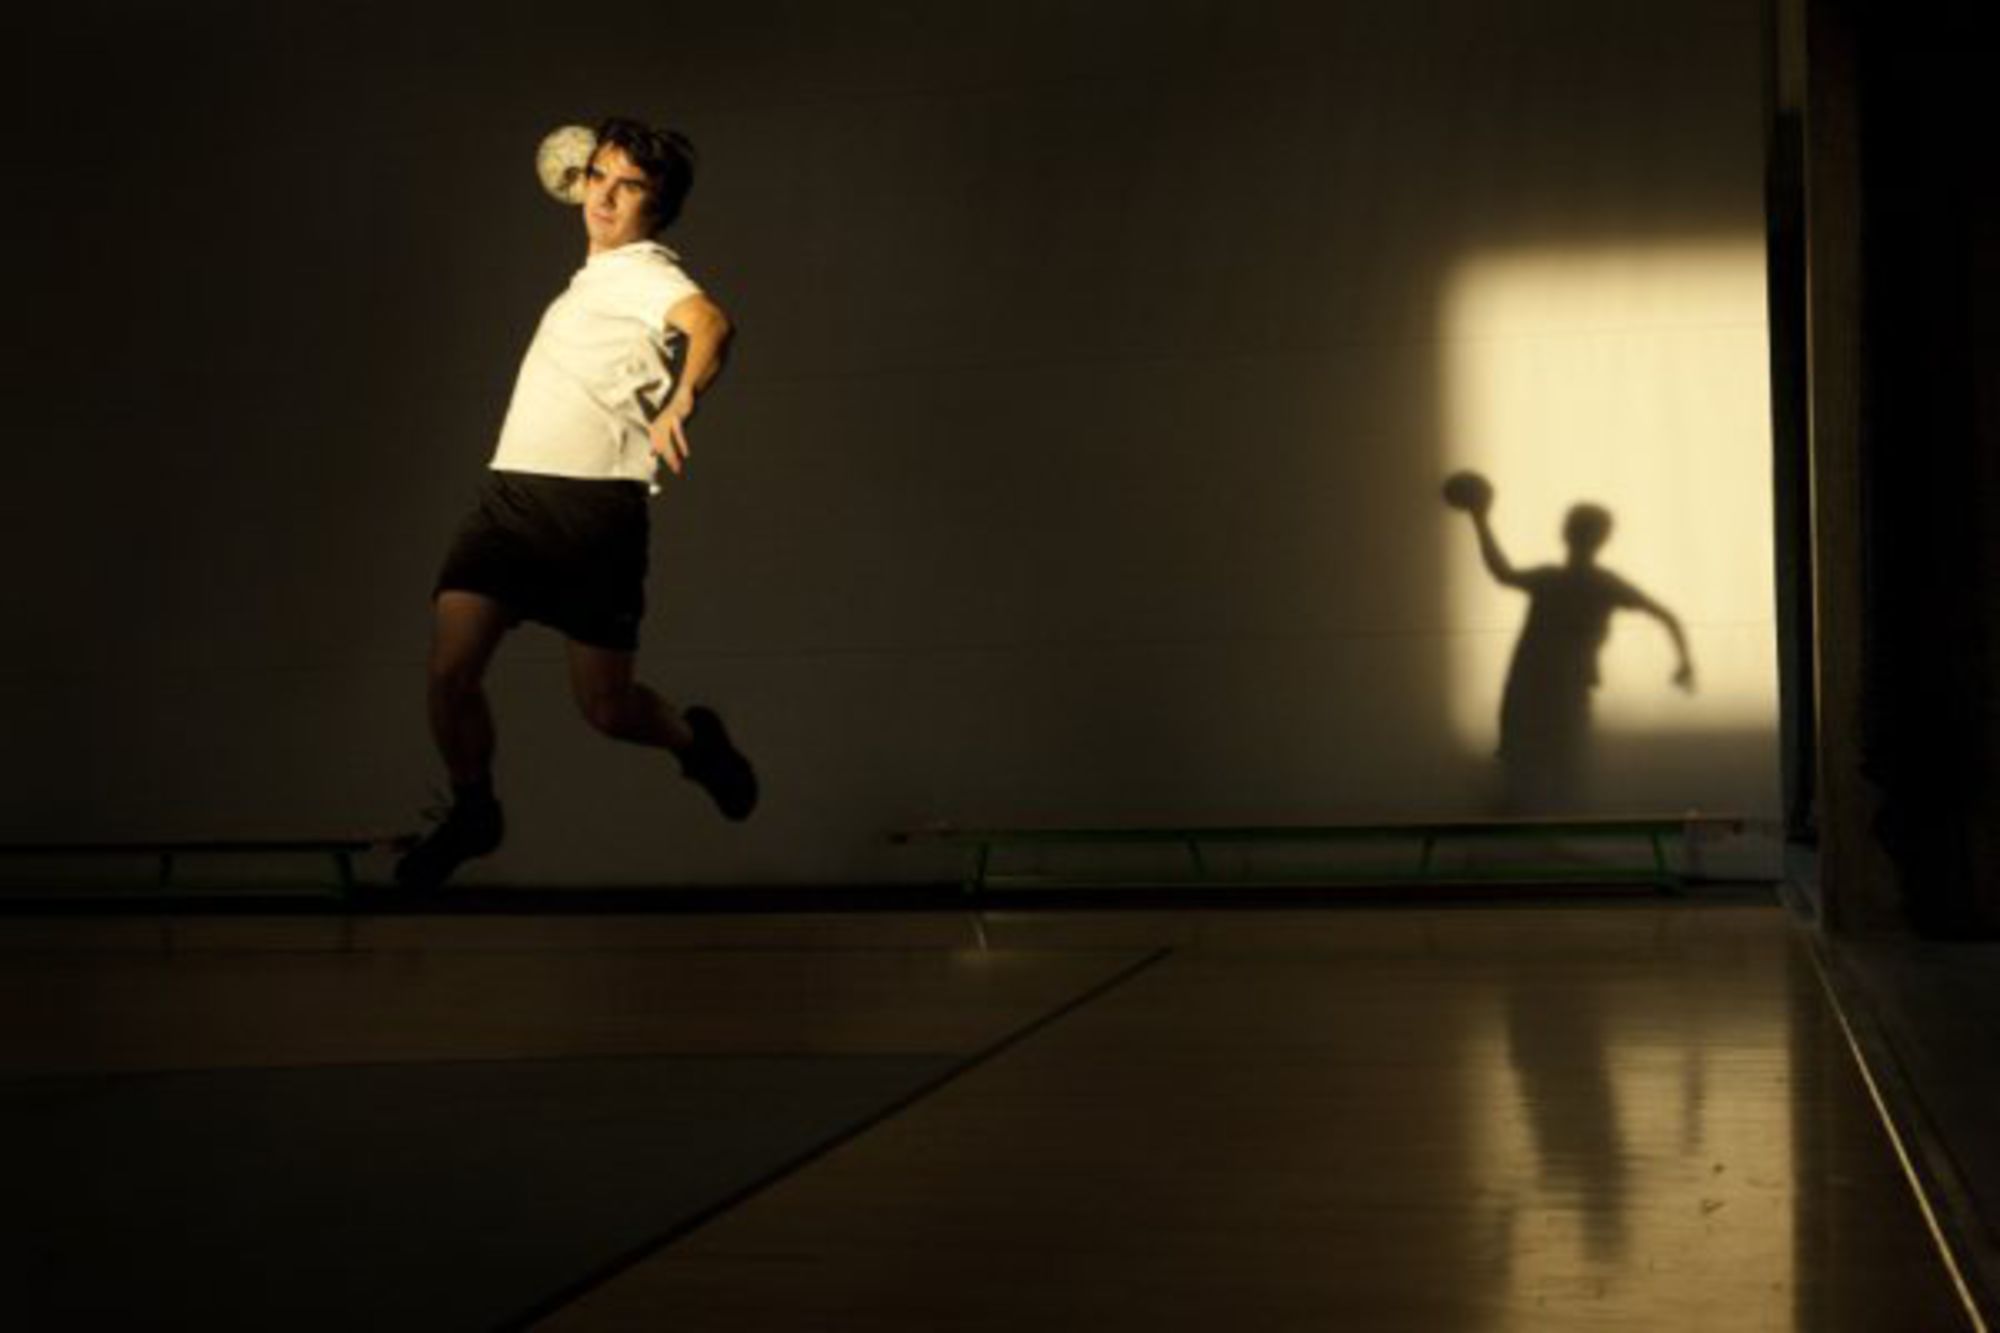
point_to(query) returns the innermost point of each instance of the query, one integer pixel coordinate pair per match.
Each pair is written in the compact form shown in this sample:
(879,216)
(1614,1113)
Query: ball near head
(561,159)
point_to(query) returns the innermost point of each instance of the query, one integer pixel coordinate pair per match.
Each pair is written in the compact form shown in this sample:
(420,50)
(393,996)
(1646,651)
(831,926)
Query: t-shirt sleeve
(1622,594)
(660,286)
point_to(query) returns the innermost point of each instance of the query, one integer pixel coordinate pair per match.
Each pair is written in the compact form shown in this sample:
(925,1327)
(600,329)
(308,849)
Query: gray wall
(1079,458)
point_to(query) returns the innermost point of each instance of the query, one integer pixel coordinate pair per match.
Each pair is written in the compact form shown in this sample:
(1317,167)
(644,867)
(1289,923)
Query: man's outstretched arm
(1496,560)
(1635,600)
(707,330)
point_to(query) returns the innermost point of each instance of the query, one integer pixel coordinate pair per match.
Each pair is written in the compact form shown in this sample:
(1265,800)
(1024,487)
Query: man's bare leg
(618,705)
(465,629)
(627,710)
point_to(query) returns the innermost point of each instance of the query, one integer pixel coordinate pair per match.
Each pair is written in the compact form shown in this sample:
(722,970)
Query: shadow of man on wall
(1545,707)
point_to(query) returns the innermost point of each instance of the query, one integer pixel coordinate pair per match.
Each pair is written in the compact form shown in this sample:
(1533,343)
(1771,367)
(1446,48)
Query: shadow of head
(1585,530)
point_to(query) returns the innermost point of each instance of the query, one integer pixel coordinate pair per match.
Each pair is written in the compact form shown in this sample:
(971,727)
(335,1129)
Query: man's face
(615,195)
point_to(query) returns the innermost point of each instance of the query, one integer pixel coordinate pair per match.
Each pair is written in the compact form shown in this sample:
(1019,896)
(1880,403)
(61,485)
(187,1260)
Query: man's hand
(708,332)
(669,433)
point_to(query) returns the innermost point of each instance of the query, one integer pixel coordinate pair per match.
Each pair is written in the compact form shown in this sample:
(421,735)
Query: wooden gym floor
(1614,1116)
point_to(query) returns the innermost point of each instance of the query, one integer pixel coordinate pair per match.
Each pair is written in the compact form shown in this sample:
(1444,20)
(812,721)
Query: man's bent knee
(609,711)
(455,680)
(465,629)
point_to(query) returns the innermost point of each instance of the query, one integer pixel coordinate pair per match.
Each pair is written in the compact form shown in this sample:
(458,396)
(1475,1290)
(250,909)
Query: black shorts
(564,551)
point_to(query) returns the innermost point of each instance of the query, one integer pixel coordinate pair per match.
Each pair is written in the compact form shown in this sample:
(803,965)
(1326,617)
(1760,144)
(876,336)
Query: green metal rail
(167,854)
(1423,838)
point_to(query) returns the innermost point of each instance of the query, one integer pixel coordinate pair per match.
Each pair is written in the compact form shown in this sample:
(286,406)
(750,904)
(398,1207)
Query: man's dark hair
(666,158)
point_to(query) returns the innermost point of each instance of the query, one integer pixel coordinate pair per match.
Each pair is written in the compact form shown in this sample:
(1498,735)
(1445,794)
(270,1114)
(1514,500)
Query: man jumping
(559,532)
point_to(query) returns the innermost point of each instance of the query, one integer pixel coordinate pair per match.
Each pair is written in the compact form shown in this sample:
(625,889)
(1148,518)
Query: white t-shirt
(597,371)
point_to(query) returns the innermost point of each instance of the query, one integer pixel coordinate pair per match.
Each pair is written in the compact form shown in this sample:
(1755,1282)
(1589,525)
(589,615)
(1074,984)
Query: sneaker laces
(431,815)
(439,809)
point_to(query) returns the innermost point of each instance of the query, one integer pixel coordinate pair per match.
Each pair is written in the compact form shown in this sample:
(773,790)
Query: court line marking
(556,1301)
(1903,1156)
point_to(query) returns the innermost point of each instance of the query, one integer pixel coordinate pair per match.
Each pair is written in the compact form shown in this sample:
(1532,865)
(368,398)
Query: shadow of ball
(1467,490)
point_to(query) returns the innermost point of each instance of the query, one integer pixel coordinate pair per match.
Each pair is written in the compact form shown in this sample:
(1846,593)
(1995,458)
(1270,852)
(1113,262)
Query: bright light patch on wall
(1635,378)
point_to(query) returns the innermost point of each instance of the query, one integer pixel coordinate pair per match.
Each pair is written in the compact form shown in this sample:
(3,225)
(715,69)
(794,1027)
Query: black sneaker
(717,766)
(468,829)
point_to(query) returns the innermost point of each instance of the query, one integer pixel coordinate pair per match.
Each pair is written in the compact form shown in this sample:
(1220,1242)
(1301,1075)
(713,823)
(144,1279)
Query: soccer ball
(561,160)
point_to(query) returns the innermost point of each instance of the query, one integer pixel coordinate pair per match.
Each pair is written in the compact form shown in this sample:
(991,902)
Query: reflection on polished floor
(1507,1118)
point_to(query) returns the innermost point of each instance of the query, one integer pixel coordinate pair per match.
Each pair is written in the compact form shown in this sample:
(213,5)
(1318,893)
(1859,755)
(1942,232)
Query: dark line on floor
(19,1078)
(370,901)
(1926,1161)
(632,1259)
(177,953)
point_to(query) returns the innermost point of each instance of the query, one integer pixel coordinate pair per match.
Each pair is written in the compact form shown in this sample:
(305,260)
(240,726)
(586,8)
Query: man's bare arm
(1634,600)
(1496,560)
(708,332)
